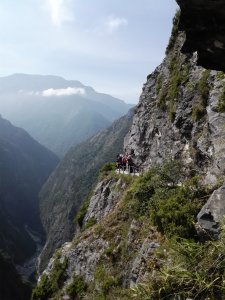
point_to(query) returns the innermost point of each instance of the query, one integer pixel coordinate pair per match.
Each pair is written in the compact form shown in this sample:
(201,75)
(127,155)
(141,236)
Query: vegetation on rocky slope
(164,203)
(221,102)
(48,286)
(146,245)
(174,32)
(202,88)
(184,270)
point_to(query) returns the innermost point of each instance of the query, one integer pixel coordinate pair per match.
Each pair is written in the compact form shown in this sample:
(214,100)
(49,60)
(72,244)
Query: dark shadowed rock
(24,167)
(203,22)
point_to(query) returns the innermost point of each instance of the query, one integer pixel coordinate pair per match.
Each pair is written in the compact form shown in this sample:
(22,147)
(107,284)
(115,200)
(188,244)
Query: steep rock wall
(177,116)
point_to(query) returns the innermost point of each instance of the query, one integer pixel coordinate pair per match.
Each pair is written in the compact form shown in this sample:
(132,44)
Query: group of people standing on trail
(125,162)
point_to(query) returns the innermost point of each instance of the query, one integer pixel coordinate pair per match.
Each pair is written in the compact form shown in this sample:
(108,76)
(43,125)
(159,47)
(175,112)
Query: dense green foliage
(202,88)
(174,211)
(92,221)
(77,288)
(108,167)
(82,212)
(171,203)
(104,280)
(49,285)
(183,268)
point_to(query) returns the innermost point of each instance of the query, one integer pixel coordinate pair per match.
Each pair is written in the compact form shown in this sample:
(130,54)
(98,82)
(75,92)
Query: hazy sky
(111,45)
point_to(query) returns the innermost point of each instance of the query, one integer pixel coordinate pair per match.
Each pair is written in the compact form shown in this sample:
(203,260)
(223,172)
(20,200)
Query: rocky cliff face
(179,118)
(71,182)
(112,250)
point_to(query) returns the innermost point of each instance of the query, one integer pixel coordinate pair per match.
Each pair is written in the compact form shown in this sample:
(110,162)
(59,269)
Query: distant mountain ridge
(24,167)
(58,113)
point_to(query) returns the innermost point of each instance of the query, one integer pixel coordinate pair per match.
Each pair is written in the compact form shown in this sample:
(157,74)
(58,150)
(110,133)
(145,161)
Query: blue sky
(111,45)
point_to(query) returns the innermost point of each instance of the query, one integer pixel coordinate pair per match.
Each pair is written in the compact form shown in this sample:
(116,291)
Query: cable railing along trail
(129,170)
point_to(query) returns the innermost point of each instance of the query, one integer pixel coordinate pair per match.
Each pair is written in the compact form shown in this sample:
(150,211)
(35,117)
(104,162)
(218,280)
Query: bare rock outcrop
(211,215)
(106,195)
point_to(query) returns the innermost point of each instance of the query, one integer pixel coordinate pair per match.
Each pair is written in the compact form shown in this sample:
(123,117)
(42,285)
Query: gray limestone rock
(211,214)
(82,258)
(105,197)
(156,136)
(139,267)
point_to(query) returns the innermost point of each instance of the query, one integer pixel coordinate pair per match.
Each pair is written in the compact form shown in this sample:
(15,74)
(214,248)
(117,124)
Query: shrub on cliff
(49,285)
(108,167)
(171,202)
(174,32)
(173,211)
(77,288)
(186,270)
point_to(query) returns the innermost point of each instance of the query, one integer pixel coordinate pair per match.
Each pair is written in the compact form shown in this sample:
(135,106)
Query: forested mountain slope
(24,166)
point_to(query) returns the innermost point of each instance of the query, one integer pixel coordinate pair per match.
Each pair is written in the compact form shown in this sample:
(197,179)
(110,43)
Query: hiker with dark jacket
(130,163)
(119,160)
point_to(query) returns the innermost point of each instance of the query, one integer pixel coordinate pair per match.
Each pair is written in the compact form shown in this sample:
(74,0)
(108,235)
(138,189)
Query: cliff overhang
(203,22)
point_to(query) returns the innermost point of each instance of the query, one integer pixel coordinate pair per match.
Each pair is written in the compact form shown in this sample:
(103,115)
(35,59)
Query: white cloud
(63,92)
(69,91)
(114,23)
(59,11)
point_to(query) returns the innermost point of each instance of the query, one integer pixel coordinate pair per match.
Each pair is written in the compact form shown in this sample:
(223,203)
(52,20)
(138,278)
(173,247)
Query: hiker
(119,160)
(124,161)
(130,163)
